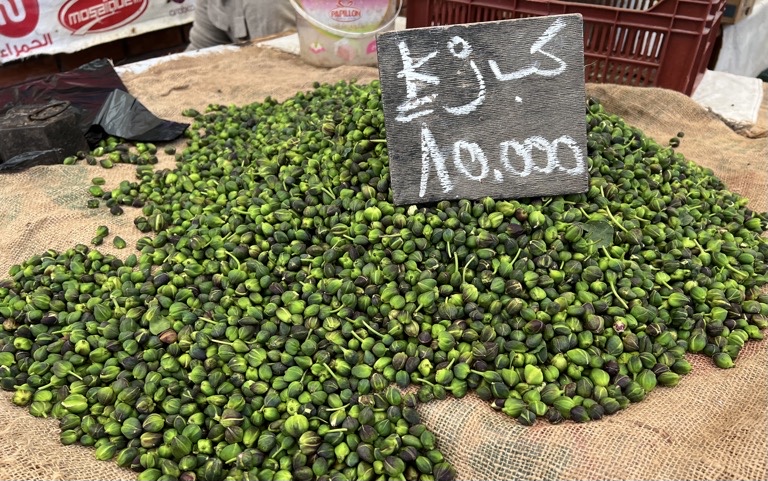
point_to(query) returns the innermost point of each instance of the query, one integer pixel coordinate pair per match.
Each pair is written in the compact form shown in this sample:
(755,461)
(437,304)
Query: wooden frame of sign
(494,109)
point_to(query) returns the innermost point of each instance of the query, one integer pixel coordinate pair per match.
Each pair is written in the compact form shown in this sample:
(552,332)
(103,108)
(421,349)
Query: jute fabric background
(713,425)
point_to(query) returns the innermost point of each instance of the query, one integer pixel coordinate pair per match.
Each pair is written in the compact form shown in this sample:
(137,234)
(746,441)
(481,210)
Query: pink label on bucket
(371,47)
(347,14)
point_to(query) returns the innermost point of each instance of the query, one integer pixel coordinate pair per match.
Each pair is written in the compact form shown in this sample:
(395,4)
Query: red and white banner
(34,27)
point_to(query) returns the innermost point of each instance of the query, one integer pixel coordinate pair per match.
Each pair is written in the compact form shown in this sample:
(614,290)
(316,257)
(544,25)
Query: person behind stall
(222,22)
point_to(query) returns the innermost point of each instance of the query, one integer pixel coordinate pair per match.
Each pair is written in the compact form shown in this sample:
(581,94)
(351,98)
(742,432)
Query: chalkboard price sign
(491,109)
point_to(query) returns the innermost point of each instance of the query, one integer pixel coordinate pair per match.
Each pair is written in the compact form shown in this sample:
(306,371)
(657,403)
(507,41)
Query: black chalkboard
(492,109)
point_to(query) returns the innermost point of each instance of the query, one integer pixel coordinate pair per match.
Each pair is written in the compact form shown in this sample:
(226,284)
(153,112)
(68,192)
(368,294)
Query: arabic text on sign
(461,49)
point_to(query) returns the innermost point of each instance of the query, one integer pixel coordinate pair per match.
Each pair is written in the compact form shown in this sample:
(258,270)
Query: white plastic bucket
(342,32)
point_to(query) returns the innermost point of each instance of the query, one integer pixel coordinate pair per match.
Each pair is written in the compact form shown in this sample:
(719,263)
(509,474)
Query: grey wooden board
(533,95)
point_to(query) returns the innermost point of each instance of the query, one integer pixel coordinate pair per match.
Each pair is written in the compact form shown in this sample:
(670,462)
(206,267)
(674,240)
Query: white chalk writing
(432,157)
(497,109)
(429,151)
(463,54)
(461,49)
(476,156)
(537,46)
(413,81)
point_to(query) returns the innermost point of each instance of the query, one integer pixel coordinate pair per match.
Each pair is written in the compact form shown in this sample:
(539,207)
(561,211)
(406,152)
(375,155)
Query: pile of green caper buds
(282,319)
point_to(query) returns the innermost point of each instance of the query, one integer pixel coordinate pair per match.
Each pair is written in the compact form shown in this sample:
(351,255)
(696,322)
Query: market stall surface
(713,425)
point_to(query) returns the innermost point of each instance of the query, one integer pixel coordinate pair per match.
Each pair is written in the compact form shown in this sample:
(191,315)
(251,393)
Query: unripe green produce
(533,375)
(296,425)
(647,380)
(669,379)
(723,360)
(280,295)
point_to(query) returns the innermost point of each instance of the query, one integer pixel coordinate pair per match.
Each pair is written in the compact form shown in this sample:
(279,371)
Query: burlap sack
(713,425)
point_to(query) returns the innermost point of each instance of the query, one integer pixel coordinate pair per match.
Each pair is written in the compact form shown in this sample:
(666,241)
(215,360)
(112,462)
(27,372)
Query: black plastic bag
(125,117)
(38,135)
(103,105)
